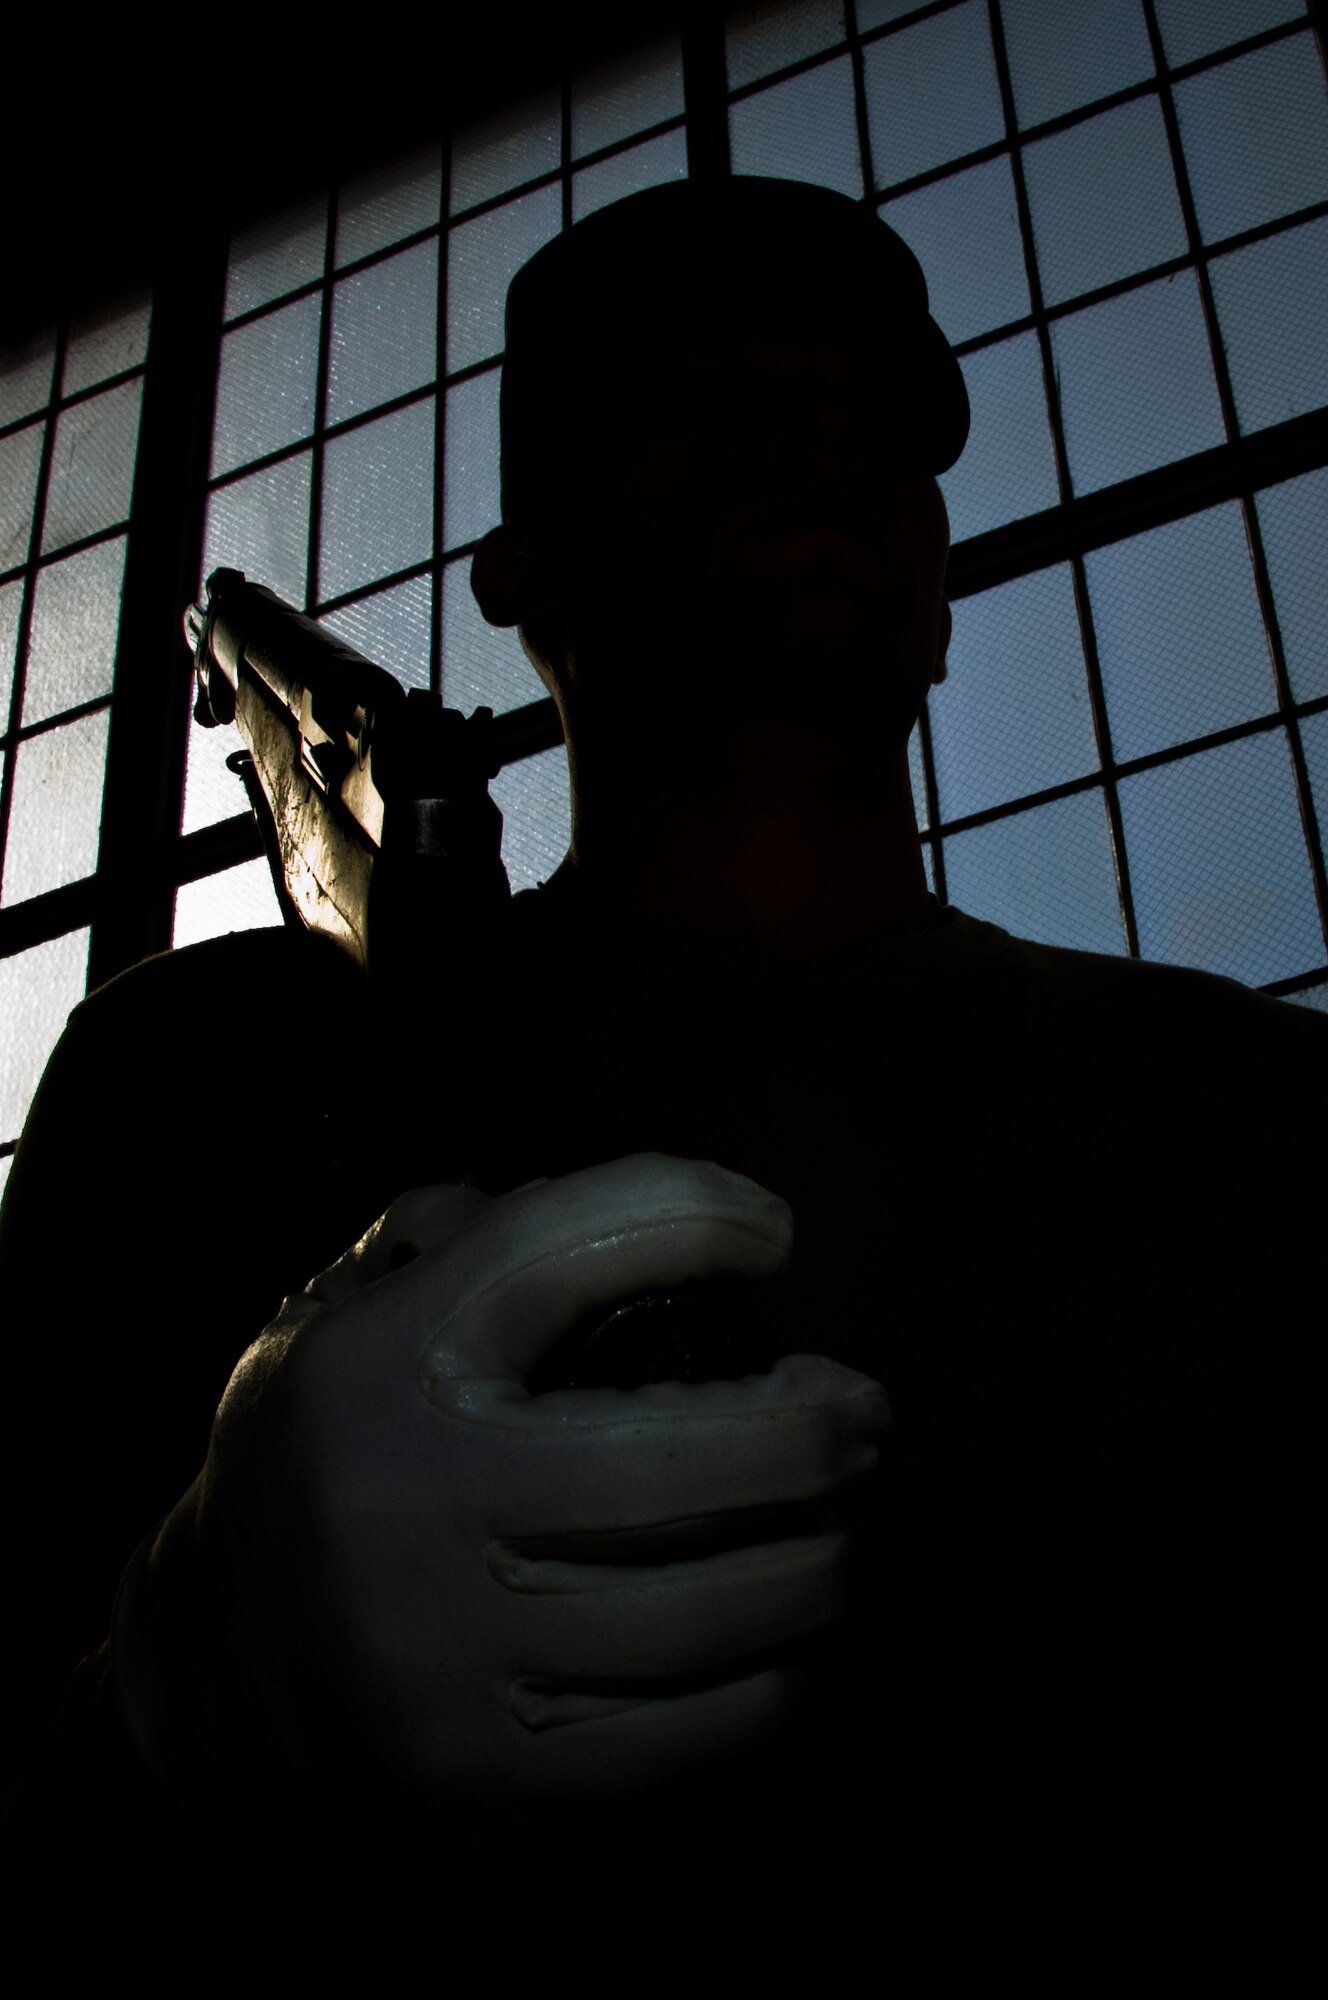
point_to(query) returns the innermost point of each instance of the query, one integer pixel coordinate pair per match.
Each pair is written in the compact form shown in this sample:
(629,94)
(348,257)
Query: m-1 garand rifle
(378,826)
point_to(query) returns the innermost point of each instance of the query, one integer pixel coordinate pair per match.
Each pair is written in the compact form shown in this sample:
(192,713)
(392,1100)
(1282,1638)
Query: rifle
(374,808)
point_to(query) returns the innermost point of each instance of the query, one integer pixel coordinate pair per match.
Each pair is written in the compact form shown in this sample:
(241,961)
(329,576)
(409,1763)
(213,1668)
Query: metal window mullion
(24,632)
(1051,387)
(436,662)
(705,92)
(313,582)
(1231,423)
(860,101)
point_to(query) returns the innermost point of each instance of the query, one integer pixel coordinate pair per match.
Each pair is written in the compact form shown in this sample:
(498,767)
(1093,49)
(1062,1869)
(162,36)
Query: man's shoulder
(279,963)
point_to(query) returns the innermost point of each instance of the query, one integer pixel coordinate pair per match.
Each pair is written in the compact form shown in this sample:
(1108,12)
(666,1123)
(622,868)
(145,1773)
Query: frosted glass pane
(211,792)
(55,818)
(267,385)
(964,231)
(20,457)
(1272,307)
(1293,518)
(1218,866)
(1136,383)
(802,130)
(382,206)
(92,465)
(384,332)
(1194,28)
(759,40)
(1255,135)
(391,629)
(25,374)
(932,94)
(261,525)
(483,665)
(1314,740)
(75,624)
(1007,470)
(1062,57)
(918,780)
(240,899)
(37,990)
(1048,874)
(276,255)
(106,341)
(483,258)
(1179,636)
(470,479)
(1103,200)
(662,159)
(377,500)
(11,605)
(1013,714)
(516,144)
(625,94)
(535,800)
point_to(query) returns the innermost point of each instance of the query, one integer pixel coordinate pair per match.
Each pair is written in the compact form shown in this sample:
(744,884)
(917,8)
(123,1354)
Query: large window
(1122,212)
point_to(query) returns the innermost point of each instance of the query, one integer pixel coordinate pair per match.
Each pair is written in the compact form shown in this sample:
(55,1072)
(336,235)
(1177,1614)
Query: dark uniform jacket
(1066,1207)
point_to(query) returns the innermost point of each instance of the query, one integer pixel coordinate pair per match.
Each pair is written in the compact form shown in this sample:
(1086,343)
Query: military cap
(620,291)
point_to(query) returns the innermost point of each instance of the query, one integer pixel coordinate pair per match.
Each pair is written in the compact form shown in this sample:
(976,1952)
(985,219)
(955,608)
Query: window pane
(11,605)
(1218,867)
(211,792)
(802,130)
(535,800)
(1255,133)
(105,342)
(384,339)
(75,625)
(37,990)
(875,13)
(261,525)
(965,233)
(483,665)
(382,206)
(391,628)
(1314,738)
(1311,996)
(1007,469)
(240,899)
(1272,307)
(1136,383)
(1013,716)
(1179,636)
(1294,521)
(759,40)
(918,780)
(662,159)
(932,94)
(377,500)
(516,144)
(20,457)
(1194,28)
(92,465)
(25,374)
(266,386)
(55,818)
(1062,57)
(470,480)
(483,257)
(1103,199)
(276,255)
(626,94)
(1048,874)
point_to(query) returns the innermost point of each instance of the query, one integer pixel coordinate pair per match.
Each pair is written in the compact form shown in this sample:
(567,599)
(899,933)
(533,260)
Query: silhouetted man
(993,1564)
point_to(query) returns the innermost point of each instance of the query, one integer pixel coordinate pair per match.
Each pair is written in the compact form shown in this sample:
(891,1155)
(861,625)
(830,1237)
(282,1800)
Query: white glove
(439,1585)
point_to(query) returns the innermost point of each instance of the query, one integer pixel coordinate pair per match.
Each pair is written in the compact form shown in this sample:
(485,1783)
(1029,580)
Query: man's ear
(510,579)
(942,644)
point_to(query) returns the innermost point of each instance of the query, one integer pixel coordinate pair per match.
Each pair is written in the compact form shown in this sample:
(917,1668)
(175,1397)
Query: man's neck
(792,842)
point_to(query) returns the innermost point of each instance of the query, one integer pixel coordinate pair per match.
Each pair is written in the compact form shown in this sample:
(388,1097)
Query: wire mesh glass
(55,813)
(1293,520)
(377,512)
(932,93)
(75,624)
(964,231)
(801,130)
(384,335)
(1064,57)
(389,202)
(25,374)
(266,385)
(37,990)
(1235,122)
(1048,874)
(760,40)
(1103,200)
(1008,467)
(1272,307)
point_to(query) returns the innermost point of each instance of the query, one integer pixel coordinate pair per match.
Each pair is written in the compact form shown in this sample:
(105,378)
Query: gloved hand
(414,1576)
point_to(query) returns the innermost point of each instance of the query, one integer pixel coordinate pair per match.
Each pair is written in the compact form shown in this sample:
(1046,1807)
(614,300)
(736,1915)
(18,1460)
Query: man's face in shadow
(740,528)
